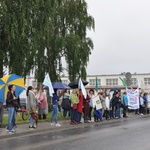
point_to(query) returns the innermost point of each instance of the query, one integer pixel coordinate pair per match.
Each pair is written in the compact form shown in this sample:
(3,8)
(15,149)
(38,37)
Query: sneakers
(32,127)
(12,131)
(7,130)
(58,125)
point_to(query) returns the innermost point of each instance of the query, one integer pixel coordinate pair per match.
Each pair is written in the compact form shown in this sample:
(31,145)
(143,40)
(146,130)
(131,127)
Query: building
(113,80)
(106,81)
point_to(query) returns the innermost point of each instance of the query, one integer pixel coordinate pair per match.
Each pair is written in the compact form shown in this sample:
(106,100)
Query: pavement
(42,127)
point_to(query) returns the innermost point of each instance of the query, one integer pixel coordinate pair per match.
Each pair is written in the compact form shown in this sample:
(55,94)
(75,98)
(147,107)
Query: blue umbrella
(114,89)
(59,85)
(9,80)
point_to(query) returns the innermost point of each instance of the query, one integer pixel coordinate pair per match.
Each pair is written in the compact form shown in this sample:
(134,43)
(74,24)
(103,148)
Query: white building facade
(113,80)
(106,81)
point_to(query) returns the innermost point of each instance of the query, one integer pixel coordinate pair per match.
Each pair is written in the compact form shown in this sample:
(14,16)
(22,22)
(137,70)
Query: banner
(96,103)
(47,82)
(133,98)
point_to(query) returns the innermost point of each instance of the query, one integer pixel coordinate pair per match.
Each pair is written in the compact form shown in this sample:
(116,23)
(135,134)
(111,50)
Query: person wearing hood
(31,105)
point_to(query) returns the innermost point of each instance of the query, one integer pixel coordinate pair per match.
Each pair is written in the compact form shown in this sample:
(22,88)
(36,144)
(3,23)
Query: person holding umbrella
(10,104)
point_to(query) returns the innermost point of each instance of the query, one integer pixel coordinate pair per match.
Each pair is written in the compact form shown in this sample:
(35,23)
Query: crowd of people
(108,105)
(36,102)
(114,105)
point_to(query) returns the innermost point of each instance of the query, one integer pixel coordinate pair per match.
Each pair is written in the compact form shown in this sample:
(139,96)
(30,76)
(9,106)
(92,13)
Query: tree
(78,45)
(37,34)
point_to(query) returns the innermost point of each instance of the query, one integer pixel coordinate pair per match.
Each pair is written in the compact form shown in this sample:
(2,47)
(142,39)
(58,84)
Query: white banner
(97,103)
(133,98)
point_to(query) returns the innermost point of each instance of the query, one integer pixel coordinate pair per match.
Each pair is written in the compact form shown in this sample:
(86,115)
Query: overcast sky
(121,38)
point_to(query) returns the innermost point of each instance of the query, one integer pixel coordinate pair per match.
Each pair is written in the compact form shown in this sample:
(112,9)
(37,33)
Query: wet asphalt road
(130,134)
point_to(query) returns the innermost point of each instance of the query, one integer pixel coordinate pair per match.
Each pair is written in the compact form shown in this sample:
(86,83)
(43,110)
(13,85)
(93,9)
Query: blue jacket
(145,98)
(125,98)
(55,99)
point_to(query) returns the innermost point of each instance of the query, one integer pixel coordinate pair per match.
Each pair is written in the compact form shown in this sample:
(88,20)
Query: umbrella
(114,89)
(74,84)
(59,85)
(9,80)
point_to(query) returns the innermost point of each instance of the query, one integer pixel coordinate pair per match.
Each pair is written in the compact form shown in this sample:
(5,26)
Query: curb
(50,129)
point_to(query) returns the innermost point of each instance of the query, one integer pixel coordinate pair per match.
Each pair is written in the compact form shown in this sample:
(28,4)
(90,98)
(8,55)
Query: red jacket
(80,104)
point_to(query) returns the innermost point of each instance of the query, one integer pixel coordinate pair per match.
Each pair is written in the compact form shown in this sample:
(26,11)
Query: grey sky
(121,38)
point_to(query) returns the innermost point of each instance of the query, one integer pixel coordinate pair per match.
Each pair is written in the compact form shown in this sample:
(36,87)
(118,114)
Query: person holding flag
(79,107)
(82,94)
(53,93)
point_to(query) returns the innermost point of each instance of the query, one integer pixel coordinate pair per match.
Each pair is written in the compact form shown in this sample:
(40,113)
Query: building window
(147,81)
(92,82)
(134,81)
(65,81)
(111,81)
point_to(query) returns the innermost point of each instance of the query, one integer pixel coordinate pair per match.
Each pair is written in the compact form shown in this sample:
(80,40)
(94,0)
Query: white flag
(138,83)
(81,86)
(47,82)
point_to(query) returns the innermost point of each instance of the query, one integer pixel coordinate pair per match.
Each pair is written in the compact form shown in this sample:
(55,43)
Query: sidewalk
(23,129)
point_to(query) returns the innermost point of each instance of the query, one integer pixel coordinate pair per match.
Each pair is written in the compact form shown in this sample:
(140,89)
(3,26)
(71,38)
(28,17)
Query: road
(129,134)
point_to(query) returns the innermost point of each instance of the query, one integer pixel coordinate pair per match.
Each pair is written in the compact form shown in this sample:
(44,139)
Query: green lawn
(20,121)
